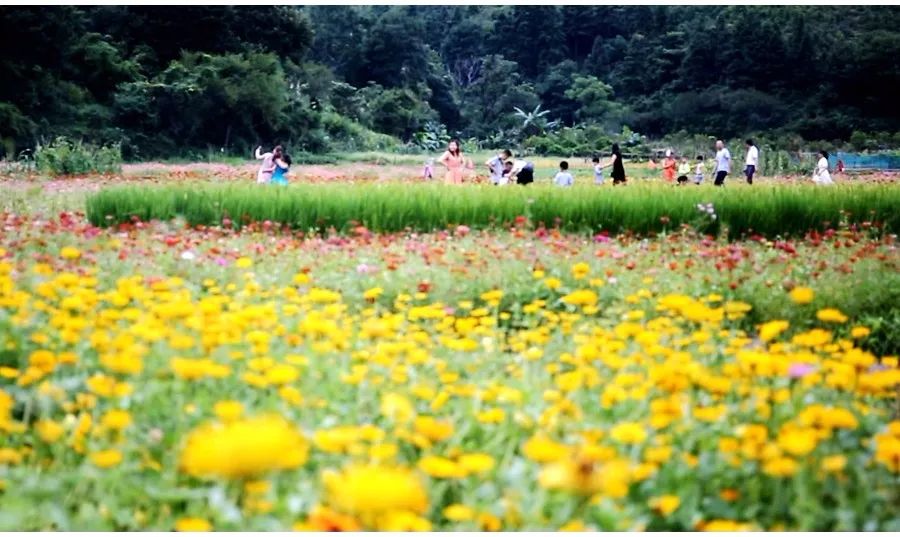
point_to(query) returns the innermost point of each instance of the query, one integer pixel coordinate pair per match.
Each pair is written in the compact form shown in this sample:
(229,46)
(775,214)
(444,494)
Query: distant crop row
(770,211)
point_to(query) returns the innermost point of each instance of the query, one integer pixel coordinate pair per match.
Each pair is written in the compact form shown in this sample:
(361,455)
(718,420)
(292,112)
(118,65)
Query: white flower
(188,255)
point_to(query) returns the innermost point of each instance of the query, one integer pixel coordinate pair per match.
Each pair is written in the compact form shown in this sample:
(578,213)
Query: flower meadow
(165,376)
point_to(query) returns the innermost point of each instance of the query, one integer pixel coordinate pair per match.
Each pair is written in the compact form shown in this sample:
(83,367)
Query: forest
(167,81)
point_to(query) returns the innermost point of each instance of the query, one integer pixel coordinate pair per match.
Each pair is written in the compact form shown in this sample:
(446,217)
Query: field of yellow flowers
(154,376)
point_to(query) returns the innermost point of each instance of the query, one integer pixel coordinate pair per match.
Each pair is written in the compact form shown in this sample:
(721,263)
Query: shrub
(65,157)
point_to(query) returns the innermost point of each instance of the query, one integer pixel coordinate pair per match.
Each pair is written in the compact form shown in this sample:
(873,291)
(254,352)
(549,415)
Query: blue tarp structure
(856,161)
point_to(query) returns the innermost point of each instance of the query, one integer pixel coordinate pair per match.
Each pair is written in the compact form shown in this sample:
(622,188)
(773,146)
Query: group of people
(504,169)
(722,169)
(275,166)
(821,174)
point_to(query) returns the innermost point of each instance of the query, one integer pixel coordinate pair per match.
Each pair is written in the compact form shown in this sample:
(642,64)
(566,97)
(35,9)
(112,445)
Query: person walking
(618,167)
(454,161)
(723,162)
(752,161)
(821,176)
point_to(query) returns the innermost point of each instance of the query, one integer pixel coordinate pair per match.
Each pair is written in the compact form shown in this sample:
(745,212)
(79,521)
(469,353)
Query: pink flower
(221,261)
(799,370)
(462,230)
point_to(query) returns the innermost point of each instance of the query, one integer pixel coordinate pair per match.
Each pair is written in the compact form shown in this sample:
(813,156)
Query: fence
(856,161)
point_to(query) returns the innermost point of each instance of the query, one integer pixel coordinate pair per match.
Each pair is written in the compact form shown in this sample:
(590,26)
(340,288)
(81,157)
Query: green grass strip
(771,211)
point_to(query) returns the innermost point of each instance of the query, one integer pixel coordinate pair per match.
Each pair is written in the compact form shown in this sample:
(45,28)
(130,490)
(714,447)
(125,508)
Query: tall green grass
(770,211)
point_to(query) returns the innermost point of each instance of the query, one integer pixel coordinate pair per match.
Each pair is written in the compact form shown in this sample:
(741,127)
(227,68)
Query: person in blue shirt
(282,165)
(564,178)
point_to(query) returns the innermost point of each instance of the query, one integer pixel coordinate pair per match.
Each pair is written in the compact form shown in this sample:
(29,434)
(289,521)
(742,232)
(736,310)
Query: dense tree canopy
(163,80)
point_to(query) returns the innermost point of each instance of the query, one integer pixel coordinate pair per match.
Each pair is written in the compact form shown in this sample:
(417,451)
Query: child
(428,172)
(598,171)
(495,165)
(698,170)
(683,170)
(564,178)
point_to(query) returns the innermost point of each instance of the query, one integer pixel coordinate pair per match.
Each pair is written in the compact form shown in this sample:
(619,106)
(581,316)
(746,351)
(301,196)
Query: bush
(344,134)
(65,157)
(571,141)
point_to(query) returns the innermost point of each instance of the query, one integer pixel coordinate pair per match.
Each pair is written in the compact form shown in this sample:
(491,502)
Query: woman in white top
(264,175)
(821,176)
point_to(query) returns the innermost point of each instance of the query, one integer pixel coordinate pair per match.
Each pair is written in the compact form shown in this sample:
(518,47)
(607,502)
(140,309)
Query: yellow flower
(244,262)
(10,456)
(771,329)
(370,491)
(493,415)
(373,293)
(433,429)
(396,407)
(440,467)
(228,410)
(541,449)
(69,252)
(581,297)
(459,513)
(552,283)
(403,521)
(802,295)
(580,270)
(797,441)
(49,431)
(282,374)
(116,420)
(859,332)
(476,463)
(887,451)
(834,463)
(489,522)
(780,467)
(574,526)
(628,433)
(106,458)
(190,524)
(724,525)
(244,448)
(831,315)
(666,504)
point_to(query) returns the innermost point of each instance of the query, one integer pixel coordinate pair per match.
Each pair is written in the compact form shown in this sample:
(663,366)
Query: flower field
(168,376)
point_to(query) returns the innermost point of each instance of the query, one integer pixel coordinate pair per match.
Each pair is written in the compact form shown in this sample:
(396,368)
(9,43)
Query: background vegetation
(205,80)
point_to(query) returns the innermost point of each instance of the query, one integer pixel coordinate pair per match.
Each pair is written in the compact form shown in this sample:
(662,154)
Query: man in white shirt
(752,161)
(723,162)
